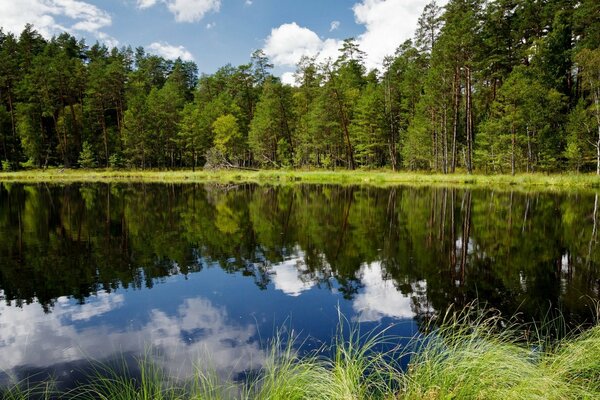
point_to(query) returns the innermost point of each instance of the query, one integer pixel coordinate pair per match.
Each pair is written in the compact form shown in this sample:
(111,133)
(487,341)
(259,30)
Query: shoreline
(358,177)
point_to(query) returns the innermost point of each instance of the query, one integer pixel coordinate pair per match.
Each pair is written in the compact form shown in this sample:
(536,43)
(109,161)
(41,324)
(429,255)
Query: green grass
(473,355)
(372,177)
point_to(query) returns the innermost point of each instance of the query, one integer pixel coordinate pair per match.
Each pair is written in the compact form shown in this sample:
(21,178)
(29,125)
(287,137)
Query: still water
(212,272)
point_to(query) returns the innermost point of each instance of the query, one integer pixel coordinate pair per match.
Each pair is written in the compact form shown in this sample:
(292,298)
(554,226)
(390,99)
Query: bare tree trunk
(597,103)
(345,123)
(455,119)
(434,141)
(392,137)
(445,141)
(104,136)
(529,152)
(513,146)
(469,127)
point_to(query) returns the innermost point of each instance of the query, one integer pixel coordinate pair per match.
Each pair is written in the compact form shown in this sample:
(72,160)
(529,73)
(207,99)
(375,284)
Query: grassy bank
(483,357)
(375,177)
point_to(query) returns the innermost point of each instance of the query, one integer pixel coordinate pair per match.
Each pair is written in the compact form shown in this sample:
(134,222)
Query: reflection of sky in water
(211,315)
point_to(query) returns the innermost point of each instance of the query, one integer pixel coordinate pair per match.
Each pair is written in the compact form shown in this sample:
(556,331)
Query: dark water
(212,271)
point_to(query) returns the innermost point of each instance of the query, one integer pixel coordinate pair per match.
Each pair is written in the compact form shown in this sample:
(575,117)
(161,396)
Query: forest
(499,86)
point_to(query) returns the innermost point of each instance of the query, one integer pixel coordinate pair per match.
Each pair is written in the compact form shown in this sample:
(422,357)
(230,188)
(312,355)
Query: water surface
(211,272)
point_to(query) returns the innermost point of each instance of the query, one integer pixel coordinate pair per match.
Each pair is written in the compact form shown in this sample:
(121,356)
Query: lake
(214,271)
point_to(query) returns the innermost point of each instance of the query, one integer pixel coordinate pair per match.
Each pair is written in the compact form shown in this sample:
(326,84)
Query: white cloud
(141,4)
(50,17)
(185,10)
(168,51)
(211,25)
(192,10)
(289,42)
(335,25)
(288,78)
(387,23)
(248,2)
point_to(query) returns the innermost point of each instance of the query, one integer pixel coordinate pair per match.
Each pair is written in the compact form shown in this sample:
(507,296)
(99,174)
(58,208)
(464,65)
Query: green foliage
(228,139)
(115,161)
(87,159)
(270,136)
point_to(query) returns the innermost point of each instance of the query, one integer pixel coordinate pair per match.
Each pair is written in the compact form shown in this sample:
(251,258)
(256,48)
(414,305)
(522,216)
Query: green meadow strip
(371,177)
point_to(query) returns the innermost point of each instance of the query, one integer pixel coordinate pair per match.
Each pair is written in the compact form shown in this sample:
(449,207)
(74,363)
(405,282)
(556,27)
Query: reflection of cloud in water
(29,337)
(95,306)
(380,298)
(287,276)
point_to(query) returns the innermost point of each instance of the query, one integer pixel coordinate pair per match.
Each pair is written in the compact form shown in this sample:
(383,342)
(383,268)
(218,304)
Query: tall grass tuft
(363,366)
(24,390)
(470,354)
(576,359)
(482,356)
(286,375)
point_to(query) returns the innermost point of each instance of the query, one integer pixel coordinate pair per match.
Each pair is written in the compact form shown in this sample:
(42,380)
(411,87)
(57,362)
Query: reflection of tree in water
(517,251)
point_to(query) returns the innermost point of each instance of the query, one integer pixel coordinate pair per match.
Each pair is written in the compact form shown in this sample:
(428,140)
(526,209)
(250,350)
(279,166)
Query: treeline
(496,86)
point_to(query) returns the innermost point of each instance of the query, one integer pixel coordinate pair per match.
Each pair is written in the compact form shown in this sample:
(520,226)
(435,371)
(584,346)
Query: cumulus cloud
(168,51)
(50,17)
(185,10)
(288,78)
(387,24)
(146,3)
(192,10)
(289,42)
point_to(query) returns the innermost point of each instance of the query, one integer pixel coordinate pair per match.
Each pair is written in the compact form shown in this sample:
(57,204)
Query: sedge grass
(468,355)
(25,390)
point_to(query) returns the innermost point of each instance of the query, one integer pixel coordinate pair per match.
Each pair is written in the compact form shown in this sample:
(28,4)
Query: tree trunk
(513,145)
(469,127)
(392,137)
(12,114)
(529,152)
(597,103)
(104,136)
(455,119)
(445,141)
(344,118)
(434,141)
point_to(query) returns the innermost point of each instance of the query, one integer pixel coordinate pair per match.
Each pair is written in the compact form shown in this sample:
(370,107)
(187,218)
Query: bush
(115,161)
(6,165)
(86,157)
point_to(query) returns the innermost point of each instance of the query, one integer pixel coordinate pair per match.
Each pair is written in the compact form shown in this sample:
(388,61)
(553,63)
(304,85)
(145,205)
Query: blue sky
(216,32)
